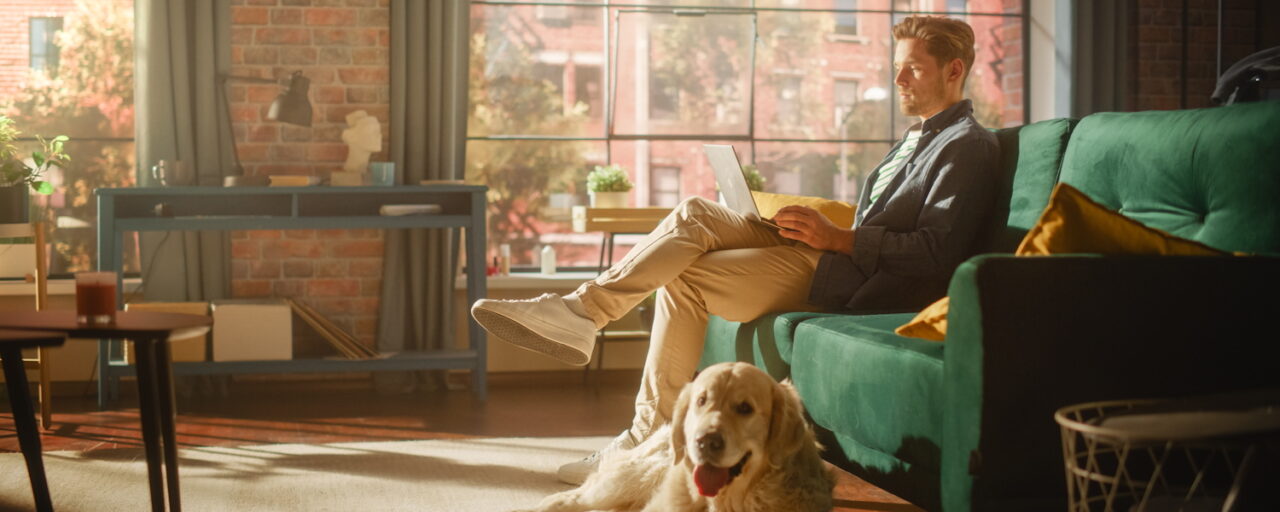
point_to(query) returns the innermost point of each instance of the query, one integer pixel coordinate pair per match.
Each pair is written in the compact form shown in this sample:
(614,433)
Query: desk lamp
(291,106)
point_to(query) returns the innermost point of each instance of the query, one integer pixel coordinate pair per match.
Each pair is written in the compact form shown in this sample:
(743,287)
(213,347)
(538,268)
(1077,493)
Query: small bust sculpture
(363,137)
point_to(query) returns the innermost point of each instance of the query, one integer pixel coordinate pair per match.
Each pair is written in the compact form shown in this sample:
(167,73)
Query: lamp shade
(292,105)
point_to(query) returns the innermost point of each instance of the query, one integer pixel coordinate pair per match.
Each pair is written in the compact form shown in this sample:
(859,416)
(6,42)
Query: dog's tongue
(710,479)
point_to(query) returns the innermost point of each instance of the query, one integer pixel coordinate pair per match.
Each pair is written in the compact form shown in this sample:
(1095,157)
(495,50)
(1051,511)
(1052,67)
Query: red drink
(96,298)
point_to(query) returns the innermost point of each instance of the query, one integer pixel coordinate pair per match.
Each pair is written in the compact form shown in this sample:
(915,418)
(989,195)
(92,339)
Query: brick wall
(1157,36)
(343,47)
(15,37)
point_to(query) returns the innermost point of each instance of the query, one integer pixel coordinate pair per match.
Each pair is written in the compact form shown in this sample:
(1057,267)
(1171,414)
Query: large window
(79,83)
(803,89)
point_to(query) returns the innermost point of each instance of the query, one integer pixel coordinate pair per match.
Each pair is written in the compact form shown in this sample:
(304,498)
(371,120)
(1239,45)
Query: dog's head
(733,420)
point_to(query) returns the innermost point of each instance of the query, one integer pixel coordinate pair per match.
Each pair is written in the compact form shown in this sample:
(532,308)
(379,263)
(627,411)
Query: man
(918,217)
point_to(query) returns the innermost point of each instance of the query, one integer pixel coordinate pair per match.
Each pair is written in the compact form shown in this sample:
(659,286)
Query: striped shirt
(890,169)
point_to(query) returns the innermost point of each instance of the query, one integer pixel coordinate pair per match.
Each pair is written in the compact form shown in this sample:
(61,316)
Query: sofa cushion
(1210,175)
(765,342)
(1030,158)
(849,371)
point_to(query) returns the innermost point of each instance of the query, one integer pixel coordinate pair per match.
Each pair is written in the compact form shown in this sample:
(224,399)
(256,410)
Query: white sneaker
(577,472)
(544,325)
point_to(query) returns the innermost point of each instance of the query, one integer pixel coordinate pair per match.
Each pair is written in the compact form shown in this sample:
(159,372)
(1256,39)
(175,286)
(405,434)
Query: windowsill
(58,287)
(845,38)
(531,281)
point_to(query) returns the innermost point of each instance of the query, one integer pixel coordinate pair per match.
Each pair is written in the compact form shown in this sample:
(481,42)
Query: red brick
(288,152)
(288,288)
(298,56)
(244,249)
(357,94)
(298,268)
(261,2)
(374,17)
(286,16)
(254,152)
(357,248)
(239,269)
(277,35)
(244,113)
(264,269)
(331,268)
(338,114)
(300,234)
(261,93)
(333,288)
(281,249)
(261,55)
(329,94)
(365,268)
(370,57)
(241,35)
(345,37)
(247,288)
(291,133)
(335,55)
(322,152)
(264,133)
(332,17)
(371,287)
(249,16)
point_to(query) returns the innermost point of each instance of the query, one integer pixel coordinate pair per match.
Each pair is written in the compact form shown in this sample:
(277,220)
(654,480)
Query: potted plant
(16,176)
(755,180)
(608,186)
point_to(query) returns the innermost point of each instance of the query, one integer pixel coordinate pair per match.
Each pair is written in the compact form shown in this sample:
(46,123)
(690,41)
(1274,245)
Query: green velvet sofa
(967,424)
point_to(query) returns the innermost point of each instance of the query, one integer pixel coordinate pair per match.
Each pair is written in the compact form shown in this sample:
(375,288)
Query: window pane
(536,70)
(814,83)
(683,75)
(89,98)
(70,213)
(532,186)
(960,6)
(875,5)
(830,170)
(995,84)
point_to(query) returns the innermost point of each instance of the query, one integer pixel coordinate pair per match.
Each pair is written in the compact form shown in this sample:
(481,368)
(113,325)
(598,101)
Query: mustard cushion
(1072,223)
(839,213)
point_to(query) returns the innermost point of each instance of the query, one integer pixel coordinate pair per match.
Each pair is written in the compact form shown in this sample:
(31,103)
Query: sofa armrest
(1031,334)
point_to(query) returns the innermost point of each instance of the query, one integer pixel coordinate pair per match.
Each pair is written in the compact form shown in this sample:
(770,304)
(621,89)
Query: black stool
(24,417)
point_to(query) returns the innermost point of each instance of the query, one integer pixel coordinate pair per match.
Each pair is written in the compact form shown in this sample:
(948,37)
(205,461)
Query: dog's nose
(711,442)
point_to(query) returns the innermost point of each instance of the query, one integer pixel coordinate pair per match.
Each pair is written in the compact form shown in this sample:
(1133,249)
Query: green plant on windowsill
(14,170)
(755,180)
(610,178)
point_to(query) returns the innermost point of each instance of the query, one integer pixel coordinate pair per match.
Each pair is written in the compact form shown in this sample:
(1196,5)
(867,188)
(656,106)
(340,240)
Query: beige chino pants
(703,259)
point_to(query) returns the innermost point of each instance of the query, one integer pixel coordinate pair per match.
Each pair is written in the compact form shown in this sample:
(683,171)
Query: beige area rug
(492,474)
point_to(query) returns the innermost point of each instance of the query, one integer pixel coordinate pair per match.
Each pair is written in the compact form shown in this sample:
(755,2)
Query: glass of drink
(96,298)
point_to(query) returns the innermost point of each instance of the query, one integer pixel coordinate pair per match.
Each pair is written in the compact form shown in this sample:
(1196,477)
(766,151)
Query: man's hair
(946,39)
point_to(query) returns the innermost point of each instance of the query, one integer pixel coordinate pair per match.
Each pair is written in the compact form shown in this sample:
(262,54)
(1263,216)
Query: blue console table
(252,208)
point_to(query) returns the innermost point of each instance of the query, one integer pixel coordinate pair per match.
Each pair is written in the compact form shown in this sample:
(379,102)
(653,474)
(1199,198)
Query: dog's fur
(755,423)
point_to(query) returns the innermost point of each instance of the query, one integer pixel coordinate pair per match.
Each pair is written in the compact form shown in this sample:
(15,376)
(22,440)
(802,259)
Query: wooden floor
(345,408)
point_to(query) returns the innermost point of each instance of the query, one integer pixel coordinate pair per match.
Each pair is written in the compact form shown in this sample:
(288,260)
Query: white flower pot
(608,199)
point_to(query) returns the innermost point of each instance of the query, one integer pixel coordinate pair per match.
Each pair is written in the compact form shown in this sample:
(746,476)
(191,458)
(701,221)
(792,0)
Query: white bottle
(548,260)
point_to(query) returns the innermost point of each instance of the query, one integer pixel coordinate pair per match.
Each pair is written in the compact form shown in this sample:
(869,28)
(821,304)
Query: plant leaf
(38,157)
(42,187)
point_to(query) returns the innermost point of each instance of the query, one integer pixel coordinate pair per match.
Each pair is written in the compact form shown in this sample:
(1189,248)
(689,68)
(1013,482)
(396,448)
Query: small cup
(382,174)
(96,298)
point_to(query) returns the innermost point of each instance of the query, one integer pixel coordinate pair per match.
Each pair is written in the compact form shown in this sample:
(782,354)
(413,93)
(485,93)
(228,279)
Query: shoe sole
(512,332)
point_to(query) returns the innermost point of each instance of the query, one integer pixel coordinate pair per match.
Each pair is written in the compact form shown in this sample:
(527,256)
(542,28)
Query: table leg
(148,403)
(168,420)
(15,377)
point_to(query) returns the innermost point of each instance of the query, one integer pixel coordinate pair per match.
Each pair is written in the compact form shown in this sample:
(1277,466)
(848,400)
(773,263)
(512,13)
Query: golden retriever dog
(737,442)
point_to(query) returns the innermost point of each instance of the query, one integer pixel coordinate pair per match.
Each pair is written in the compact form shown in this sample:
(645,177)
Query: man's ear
(786,425)
(677,424)
(954,71)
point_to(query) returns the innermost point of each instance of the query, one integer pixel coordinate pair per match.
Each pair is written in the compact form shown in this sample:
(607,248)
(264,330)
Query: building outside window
(79,83)
(44,46)
(780,80)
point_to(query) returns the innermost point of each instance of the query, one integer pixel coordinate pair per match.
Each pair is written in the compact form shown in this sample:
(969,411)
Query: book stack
(288,180)
(340,339)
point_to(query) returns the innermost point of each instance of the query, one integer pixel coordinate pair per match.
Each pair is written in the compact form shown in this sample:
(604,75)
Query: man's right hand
(814,229)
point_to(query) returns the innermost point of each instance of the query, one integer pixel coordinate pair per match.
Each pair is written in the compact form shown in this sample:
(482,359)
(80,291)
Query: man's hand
(807,225)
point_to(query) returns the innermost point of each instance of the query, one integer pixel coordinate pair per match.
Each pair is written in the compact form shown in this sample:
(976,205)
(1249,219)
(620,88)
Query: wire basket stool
(1147,456)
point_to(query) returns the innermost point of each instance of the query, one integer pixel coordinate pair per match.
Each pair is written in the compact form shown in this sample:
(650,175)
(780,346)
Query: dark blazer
(907,244)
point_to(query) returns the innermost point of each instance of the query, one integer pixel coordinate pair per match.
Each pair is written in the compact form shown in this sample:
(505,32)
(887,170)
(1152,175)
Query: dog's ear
(677,424)
(787,430)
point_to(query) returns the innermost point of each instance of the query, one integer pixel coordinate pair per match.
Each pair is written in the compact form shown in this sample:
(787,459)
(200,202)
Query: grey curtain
(181,47)
(428,141)
(1099,43)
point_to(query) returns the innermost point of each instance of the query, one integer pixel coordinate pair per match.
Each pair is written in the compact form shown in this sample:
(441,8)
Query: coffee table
(150,333)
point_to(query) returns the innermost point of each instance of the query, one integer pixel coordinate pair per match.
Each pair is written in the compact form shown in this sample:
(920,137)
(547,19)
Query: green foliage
(755,180)
(15,171)
(610,178)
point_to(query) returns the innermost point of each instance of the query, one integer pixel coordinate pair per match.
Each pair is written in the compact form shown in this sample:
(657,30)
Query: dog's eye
(744,408)
(702,400)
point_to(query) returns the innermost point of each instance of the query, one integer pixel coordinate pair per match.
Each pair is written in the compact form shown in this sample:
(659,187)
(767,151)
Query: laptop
(733,185)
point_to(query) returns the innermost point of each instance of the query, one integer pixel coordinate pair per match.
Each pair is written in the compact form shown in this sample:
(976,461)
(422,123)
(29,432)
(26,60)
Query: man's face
(920,79)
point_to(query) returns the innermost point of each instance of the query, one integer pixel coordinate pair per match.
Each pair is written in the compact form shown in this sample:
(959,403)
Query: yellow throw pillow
(838,212)
(1072,223)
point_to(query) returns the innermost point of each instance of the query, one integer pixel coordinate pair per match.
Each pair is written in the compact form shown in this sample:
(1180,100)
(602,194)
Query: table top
(24,339)
(135,325)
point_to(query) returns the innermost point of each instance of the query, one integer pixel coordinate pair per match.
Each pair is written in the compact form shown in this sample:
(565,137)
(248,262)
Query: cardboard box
(182,349)
(249,330)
